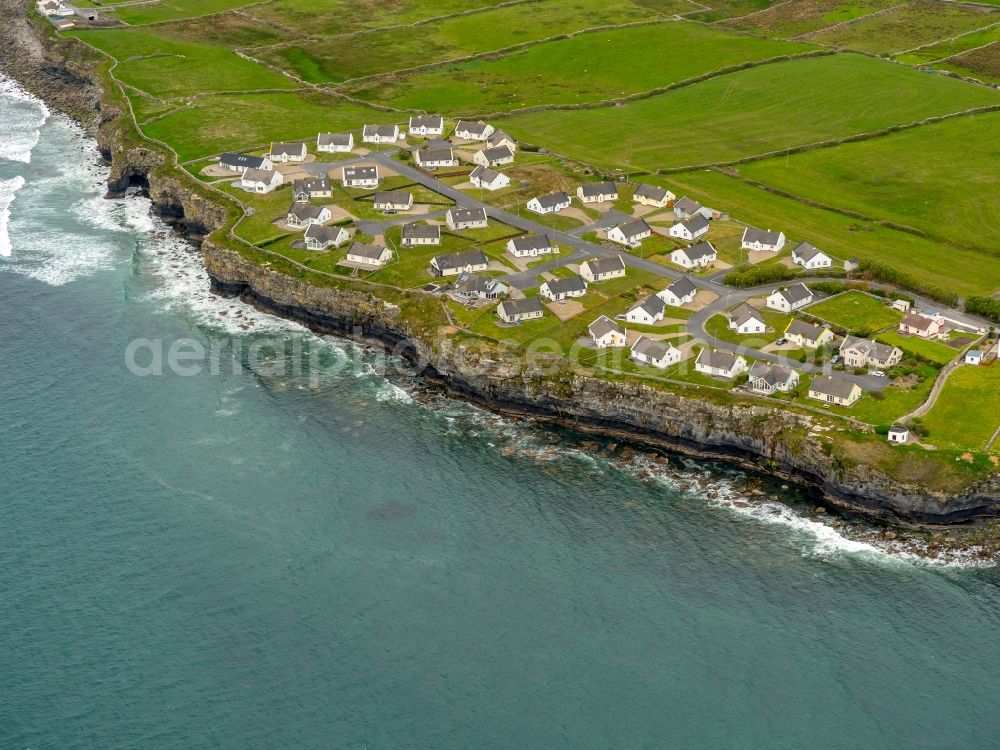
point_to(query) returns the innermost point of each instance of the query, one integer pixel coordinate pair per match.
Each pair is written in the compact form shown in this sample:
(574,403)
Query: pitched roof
(383,131)
(651,304)
(765,237)
(701,250)
(312,185)
(744,312)
(373,252)
(651,192)
(686,206)
(461,215)
(593,189)
(394,197)
(334,139)
(473,283)
(650,348)
(259,175)
(796,293)
(771,373)
(485,174)
(681,288)
(550,200)
(716,358)
(565,286)
(479,127)
(868,347)
(322,233)
(535,242)
(695,224)
(421,231)
(830,385)
(634,227)
(427,121)
(521,306)
(498,136)
(599,266)
(603,326)
(806,330)
(806,251)
(916,320)
(459,260)
(360,173)
(305,211)
(497,153)
(435,154)
(286,147)
(242,160)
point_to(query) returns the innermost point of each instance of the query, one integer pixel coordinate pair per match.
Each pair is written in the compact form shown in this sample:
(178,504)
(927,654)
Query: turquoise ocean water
(316,554)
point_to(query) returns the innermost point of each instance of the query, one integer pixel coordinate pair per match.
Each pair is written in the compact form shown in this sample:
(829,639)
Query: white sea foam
(20,122)
(391,392)
(7,190)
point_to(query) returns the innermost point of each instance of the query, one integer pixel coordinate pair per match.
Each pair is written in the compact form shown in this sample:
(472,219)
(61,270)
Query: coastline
(762,439)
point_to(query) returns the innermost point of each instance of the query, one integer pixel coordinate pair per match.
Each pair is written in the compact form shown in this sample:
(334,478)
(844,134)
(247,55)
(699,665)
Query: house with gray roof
(435,158)
(832,389)
(720,364)
(686,208)
(456,263)
(859,352)
(372,256)
(319,237)
(657,353)
(391,201)
(493,157)
(602,269)
(790,298)
(696,256)
(597,192)
(810,257)
(808,335)
(647,311)
(566,288)
(240,162)
(746,319)
(465,218)
(550,203)
(473,131)
(691,229)
(304,214)
(312,187)
(652,195)
(679,293)
(531,247)
(472,286)
(360,177)
(500,138)
(630,233)
(421,234)
(516,310)
(282,151)
(380,134)
(762,239)
(425,125)
(605,333)
(766,378)
(488,179)
(335,143)
(260,180)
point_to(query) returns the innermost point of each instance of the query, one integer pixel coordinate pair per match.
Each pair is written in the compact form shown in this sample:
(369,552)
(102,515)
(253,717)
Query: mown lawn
(567,71)
(968,410)
(750,112)
(777,322)
(934,351)
(857,312)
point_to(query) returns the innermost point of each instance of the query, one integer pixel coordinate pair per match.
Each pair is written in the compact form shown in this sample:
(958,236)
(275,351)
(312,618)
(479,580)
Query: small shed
(973,357)
(898,434)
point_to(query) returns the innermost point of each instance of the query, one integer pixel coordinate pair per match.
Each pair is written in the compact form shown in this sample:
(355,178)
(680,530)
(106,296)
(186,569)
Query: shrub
(746,275)
(890,275)
(985,306)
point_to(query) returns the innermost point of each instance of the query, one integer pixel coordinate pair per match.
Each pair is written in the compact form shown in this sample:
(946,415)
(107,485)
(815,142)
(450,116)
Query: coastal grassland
(964,271)
(895,179)
(803,16)
(933,351)
(856,311)
(169,10)
(982,64)
(336,59)
(259,227)
(950,47)
(719,10)
(165,67)
(751,112)
(892,402)
(239,121)
(911,25)
(585,68)
(967,411)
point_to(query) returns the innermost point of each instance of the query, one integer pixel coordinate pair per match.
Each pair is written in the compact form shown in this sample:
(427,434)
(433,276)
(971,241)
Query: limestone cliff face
(759,437)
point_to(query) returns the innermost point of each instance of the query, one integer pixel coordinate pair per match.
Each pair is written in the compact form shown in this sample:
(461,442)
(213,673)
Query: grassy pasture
(965,271)
(804,16)
(885,179)
(168,10)
(856,311)
(968,410)
(983,63)
(917,23)
(721,9)
(951,47)
(750,112)
(934,351)
(336,59)
(567,72)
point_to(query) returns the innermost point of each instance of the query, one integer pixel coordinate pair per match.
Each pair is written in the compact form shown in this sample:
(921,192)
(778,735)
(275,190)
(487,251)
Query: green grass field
(857,312)
(933,351)
(803,16)
(950,47)
(751,112)
(567,71)
(968,410)
(168,10)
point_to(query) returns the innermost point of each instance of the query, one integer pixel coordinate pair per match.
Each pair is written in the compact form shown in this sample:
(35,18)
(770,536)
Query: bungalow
(368,255)
(605,333)
(719,364)
(679,293)
(516,310)
(314,187)
(767,378)
(560,289)
(421,234)
(488,179)
(54,9)
(834,390)
(746,319)
(437,143)
(304,214)
(456,263)
(433,158)
(466,218)
(656,353)
(500,138)
(790,298)
(810,257)
(597,192)
(651,195)
(647,312)
(335,143)
(472,286)
(473,131)
(239,162)
(493,157)
(360,177)
(696,256)
(602,269)
(808,335)
(898,434)
(531,247)
(973,357)
(859,352)
(689,230)
(686,208)
(319,237)
(550,203)
(630,233)
(915,324)
(426,125)
(391,201)
(286,152)
(757,239)
(260,180)
(380,134)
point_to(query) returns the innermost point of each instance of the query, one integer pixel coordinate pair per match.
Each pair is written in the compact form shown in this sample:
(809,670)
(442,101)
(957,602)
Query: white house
(391,201)
(597,192)
(260,180)
(719,364)
(426,125)
(898,434)
(859,352)
(696,256)
(679,293)
(360,177)
(973,357)
(651,195)
(488,179)
(808,335)
(630,233)
(810,257)
(531,247)
(657,353)
(516,310)
(473,131)
(686,208)
(319,237)
(472,286)
(746,319)
(241,162)
(287,152)
(550,203)
(767,378)
(602,269)
(647,312)
(493,157)
(335,143)
(560,289)
(465,218)
(605,333)
(434,158)
(915,324)
(790,298)
(304,214)
(456,263)
(380,134)
(834,390)
(689,230)
(368,255)
(758,239)
(312,187)
(421,234)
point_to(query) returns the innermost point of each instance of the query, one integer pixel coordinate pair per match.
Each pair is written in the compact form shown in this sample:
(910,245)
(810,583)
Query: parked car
(878,374)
